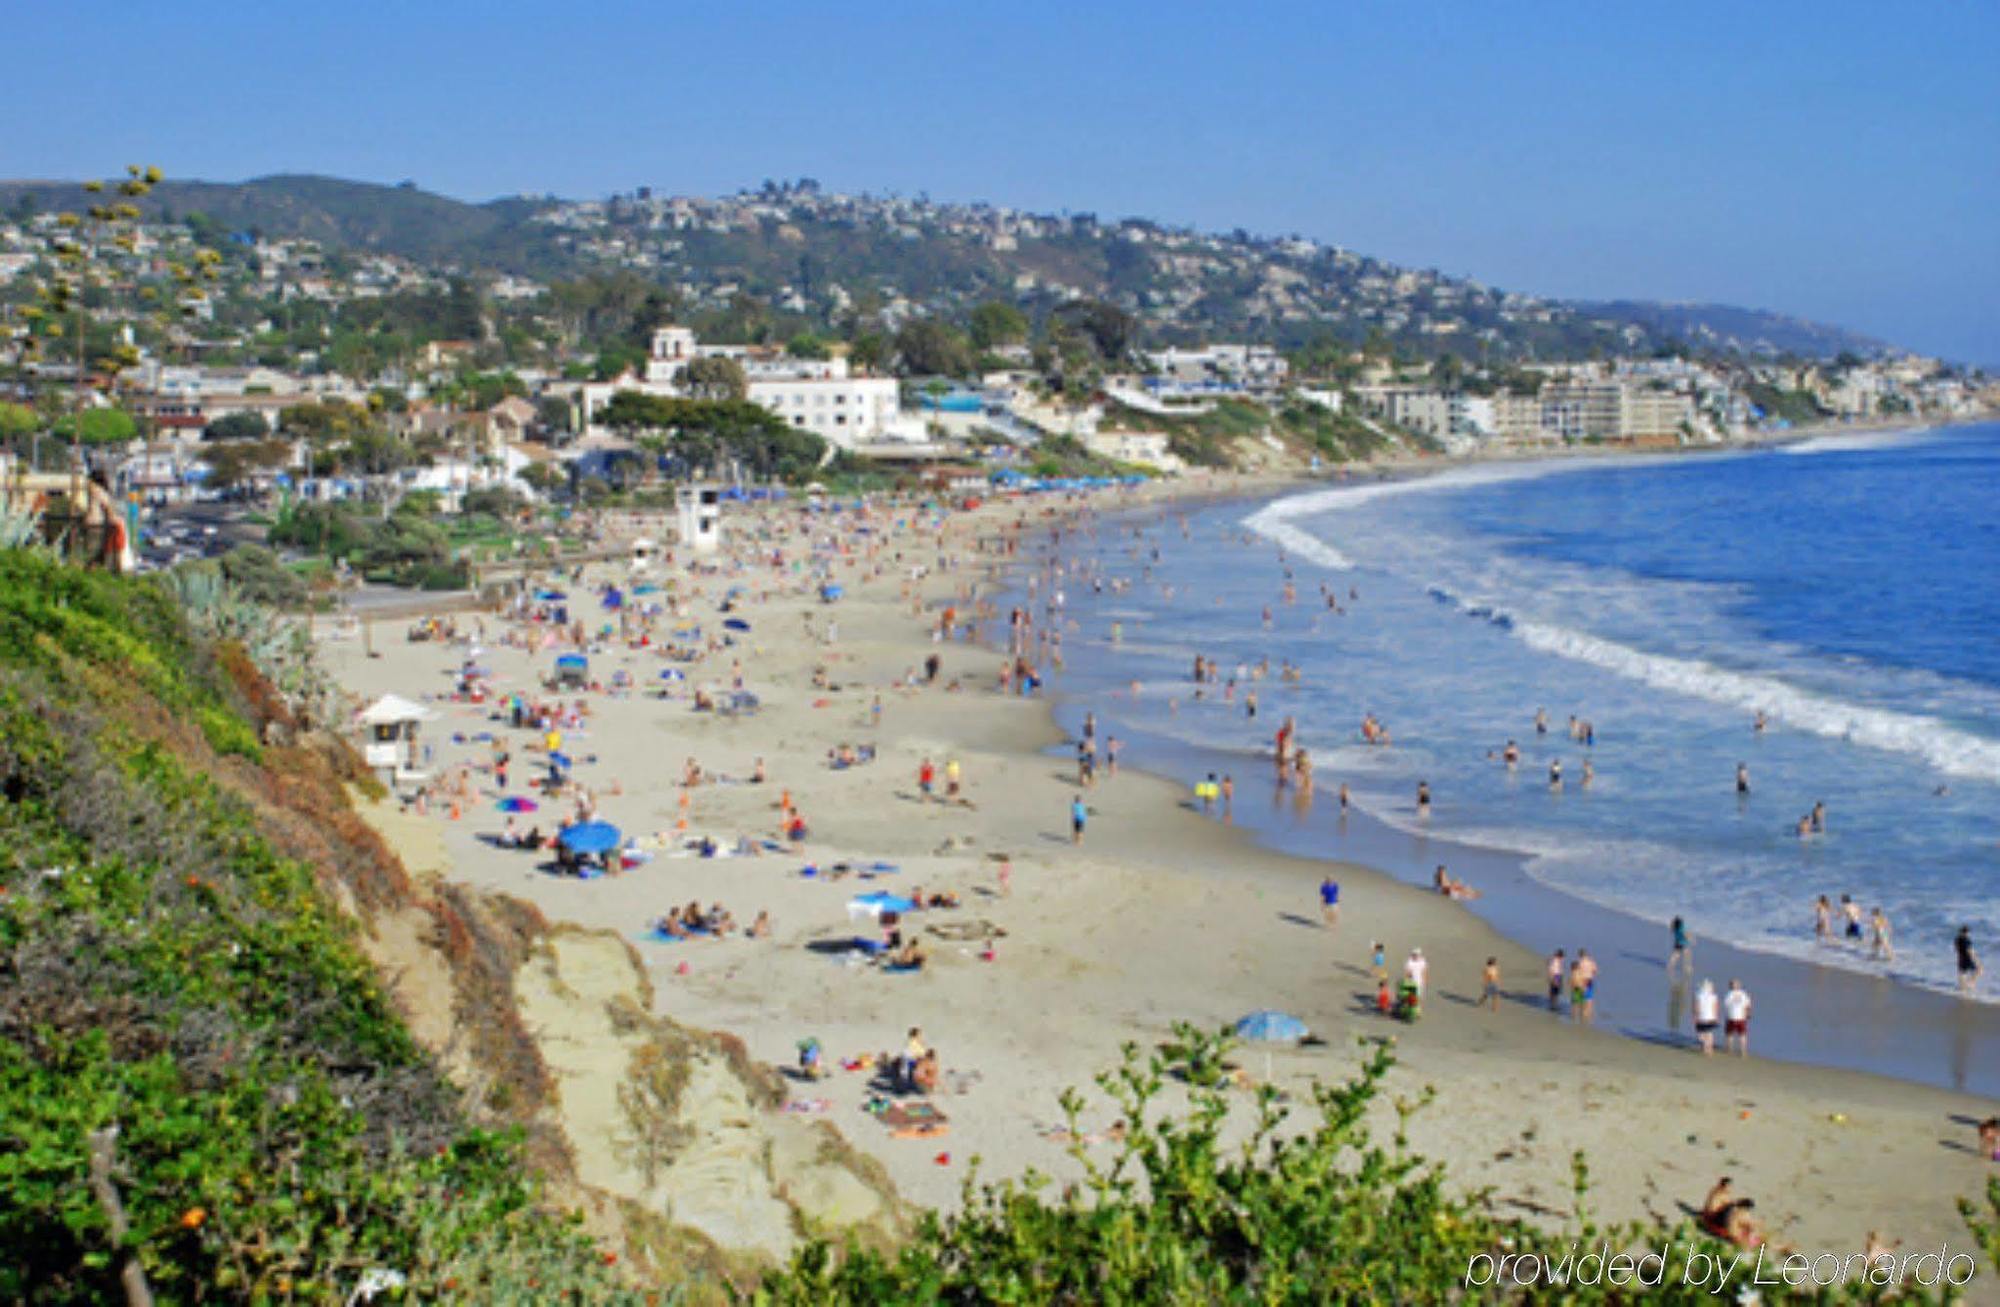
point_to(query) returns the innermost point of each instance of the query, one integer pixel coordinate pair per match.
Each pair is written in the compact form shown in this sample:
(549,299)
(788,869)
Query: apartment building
(817,395)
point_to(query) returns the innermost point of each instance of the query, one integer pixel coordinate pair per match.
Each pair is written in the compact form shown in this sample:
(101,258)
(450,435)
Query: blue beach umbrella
(550,596)
(736,624)
(673,674)
(590,837)
(572,662)
(879,902)
(1272,1027)
(516,803)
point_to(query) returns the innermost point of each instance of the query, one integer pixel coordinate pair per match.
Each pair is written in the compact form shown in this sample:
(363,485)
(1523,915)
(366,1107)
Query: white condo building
(817,395)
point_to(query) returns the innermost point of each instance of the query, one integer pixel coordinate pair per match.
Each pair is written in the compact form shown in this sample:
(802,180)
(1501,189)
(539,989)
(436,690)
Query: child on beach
(1489,980)
(1379,956)
(1707,1010)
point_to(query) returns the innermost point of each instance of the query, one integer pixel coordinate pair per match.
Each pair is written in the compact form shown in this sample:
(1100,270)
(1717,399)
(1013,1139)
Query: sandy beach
(1159,915)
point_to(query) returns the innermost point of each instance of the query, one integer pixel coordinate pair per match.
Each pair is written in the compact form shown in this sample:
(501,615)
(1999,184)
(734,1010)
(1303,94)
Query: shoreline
(1160,916)
(1944,1022)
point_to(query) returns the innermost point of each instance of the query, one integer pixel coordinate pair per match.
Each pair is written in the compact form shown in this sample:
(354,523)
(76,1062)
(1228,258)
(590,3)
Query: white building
(816,395)
(1247,365)
(1148,448)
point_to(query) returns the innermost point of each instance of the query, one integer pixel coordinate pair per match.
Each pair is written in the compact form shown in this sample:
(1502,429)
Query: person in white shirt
(1736,1018)
(1707,1013)
(1416,969)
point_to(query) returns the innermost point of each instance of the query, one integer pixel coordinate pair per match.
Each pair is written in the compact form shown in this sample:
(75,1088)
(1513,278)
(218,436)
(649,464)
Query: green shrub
(1176,1213)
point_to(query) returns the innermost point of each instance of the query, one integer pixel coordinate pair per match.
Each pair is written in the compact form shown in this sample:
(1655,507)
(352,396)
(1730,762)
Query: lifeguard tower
(700,512)
(391,746)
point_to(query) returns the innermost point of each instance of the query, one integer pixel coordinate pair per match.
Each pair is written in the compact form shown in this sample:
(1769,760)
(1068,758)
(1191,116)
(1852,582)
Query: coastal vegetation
(203,1084)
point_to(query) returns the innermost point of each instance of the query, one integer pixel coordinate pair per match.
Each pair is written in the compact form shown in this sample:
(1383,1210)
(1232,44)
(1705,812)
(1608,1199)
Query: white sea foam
(1859,440)
(1276,520)
(1945,747)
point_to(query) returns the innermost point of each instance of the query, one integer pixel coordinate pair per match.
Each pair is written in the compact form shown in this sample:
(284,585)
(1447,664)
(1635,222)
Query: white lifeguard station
(391,724)
(700,513)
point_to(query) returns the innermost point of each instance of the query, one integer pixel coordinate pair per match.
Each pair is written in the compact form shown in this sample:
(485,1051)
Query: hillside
(246,1056)
(834,258)
(1727,329)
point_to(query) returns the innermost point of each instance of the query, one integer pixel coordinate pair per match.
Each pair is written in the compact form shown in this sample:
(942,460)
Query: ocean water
(1847,588)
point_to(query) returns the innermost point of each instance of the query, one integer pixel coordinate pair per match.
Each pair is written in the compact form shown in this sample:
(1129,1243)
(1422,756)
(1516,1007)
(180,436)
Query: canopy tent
(393,710)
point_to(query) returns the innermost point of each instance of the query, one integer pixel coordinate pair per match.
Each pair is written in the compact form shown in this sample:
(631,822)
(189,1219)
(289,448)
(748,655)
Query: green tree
(995,323)
(238,426)
(714,377)
(1109,329)
(17,420)
(806,345)
(554,412)
(868,351)
(237,462)
(926,347)
(316,421)
(545,477)
(99,426)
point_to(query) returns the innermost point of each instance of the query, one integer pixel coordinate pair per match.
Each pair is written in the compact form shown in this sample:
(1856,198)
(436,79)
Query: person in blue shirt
(1682,954)
(1078,814)
(1329,902)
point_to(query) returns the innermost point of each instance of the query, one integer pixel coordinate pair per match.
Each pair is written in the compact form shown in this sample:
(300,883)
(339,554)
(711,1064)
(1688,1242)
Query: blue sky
(1837,161)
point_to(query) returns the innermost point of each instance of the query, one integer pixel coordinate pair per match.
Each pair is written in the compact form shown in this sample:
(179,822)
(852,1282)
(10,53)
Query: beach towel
(904,1116)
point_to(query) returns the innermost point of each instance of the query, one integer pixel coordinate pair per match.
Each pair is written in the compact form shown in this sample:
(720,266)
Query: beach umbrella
(877,903)
(589,837)
(550,596)
(673,674)
(1272,1027)
(645,589)
(572,662)
(735,624)
(517,803)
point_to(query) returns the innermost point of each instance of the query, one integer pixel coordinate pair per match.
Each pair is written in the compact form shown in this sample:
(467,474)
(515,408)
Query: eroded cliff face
(669,1139)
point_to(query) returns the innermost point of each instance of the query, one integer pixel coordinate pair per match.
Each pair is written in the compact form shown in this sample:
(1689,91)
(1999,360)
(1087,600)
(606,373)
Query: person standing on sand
(1736,1018)
(1682,953)
(1329,902)
(1583,988)
(1556,967)
(1489,984)
(1707,1010)
(1969,969)
(1078,816)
